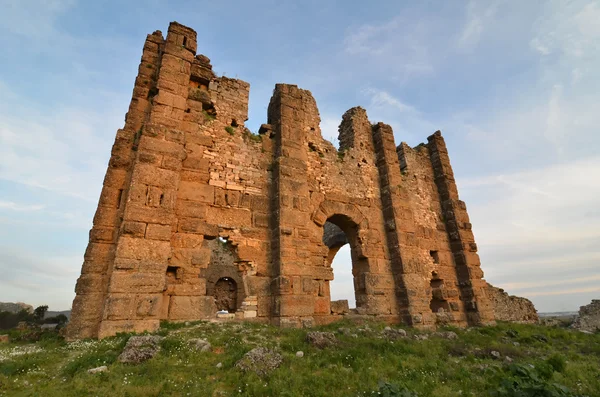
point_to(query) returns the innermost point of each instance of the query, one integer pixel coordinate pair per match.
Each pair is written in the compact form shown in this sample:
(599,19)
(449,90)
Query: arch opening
(340,235)
(224,279)
(225,294)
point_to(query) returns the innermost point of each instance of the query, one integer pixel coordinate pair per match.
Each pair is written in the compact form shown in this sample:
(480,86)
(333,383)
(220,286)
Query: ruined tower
(198,214)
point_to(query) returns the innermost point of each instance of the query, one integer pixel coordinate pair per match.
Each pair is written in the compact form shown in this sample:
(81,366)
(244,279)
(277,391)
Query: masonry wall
(191,197)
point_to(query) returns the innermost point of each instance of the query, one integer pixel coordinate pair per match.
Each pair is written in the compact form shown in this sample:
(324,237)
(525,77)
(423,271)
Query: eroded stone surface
(511,308)
(588,318)
(260,360)
(140,348)
(321,340)
(192,198)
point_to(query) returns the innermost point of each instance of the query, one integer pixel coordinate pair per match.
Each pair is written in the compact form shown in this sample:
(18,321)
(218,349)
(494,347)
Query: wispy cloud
(398,45)
(565,291)
(381,99)
(478,15)
(9,205)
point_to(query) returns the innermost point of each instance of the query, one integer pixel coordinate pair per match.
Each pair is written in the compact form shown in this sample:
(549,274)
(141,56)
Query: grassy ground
(545,362)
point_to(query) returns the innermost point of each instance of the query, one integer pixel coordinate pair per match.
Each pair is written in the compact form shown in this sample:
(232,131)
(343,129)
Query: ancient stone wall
(588,318)
(197,212)
(511,308)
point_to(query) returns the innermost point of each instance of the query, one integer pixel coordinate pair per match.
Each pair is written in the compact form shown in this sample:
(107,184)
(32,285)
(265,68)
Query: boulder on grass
(321,340)
(260,360)
(140,348)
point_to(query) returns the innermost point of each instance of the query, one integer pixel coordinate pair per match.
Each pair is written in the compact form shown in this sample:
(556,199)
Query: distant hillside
(54,314)
(15,307)
(557,314)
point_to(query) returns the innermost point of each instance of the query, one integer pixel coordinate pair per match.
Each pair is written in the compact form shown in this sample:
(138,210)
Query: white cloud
(520,286)
(63,153)
(381,99)
(9,205)
(399,46)
(479,14)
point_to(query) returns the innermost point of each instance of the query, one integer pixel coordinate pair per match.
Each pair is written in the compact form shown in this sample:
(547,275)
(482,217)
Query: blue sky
(514,87)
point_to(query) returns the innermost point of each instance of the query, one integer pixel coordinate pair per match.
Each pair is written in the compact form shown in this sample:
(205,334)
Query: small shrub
(393,390)
(207,116)
(171,345)
(230,130)
(252,136)
(530,381)
(557,362)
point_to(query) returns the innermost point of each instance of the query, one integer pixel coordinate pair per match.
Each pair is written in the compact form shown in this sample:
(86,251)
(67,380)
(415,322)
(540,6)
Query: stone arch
(344,225)
(224,265)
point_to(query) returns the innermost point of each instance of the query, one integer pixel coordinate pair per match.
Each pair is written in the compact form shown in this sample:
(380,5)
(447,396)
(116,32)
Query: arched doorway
(342,286)
(225,294)
(340,235)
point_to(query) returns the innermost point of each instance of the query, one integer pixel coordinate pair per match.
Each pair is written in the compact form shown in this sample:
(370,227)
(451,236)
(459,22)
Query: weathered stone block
(192,307)
(340,307)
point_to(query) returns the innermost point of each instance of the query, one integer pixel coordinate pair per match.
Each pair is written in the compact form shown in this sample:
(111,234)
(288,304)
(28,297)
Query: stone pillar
(92,285)
(143,249)
(355,131)
(412,303)
(294,117)
(462,242)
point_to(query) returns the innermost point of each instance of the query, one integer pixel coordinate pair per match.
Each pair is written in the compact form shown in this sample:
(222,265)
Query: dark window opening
(225,294)
(152,92)
(184,41)
(162,197)
(234,123)
(435,256)
(120,196)
(438,303)
(172,272)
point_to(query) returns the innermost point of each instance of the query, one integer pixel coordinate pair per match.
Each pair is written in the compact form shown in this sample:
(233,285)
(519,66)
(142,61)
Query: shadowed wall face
(198,213)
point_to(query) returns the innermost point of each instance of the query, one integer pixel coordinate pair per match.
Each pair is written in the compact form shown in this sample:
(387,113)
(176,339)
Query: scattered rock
(260,360)
(345,331)
(447,335)
(200,344)
(140,348)
(512,333)
(588,318)
(393,333)
(220,365)
(516,344)
(103,368)
(421,337)
(541,338)
(300,354)
(321,340)
(496,354)
(508,359)
(4,339)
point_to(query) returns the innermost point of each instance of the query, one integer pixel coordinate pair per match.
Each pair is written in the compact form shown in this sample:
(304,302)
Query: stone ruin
(198,214)
(511,308)
(588,318)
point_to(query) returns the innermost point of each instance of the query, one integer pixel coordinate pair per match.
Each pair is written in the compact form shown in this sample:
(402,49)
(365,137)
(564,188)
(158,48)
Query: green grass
(230,130)
(545,362)
(207,116)
(252,136)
